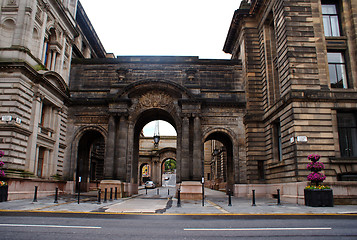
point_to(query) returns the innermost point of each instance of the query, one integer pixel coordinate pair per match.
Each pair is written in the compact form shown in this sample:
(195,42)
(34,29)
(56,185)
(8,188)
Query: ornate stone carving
(155,99)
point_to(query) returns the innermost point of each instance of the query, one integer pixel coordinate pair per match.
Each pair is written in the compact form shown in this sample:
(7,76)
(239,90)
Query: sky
(162,28)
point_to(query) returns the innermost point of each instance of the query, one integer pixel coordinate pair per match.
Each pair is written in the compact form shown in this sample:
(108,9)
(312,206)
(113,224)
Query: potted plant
(3,183)
(316,194)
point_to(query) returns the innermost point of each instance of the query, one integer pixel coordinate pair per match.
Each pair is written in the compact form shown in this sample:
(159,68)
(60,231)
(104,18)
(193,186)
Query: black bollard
(168,191)
(278,190)
(111,194)
(105,195)
(253,204)
(146,190)
(99,196)
(56,196)
(178,198)
(79,190)
(158,191)
(35,194)
(229,198)
(116,194)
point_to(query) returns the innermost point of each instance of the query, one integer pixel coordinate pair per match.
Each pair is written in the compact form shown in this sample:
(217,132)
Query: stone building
(299,69)
(37,43)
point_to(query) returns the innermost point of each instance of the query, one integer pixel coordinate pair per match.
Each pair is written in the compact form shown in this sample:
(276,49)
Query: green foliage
(170,165)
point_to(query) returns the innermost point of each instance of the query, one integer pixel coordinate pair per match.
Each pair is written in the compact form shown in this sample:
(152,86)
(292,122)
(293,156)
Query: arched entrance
(219,170)
(168,172)
(90,159)
(155,168)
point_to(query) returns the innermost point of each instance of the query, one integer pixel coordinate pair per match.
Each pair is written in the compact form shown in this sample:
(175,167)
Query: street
(175,227)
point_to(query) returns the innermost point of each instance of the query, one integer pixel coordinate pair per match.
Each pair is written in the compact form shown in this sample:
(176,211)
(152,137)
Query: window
(347,132)
(337,70)
(40,160)
(277,142)
(330,20)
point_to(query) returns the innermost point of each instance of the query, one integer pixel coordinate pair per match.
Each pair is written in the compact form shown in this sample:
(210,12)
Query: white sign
(18,120)
(292,140)
(80,179)
(301,138)
(6,118)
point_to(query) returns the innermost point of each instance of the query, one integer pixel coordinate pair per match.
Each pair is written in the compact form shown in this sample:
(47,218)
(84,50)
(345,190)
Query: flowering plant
(3,183)
(2,172)
(316,177)
(318,187)
(313,157)
(315,166)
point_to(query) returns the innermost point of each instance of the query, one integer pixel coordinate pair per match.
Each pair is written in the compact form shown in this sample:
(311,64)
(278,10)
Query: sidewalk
(164,203)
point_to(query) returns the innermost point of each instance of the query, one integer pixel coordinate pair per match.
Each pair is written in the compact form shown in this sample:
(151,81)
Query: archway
(168,172)
(144,118)
(90,159)
(218,161)
(145,171)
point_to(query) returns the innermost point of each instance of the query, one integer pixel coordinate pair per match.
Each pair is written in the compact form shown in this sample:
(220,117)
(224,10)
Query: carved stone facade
(211,106)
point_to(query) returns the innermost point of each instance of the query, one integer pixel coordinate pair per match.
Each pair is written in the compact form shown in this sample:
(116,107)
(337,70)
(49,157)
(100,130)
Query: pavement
(162,201)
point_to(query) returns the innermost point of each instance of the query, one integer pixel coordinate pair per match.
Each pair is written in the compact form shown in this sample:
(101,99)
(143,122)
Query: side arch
(78,134)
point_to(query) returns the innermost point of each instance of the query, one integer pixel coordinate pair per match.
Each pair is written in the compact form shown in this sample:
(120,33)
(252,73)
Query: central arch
(144,118)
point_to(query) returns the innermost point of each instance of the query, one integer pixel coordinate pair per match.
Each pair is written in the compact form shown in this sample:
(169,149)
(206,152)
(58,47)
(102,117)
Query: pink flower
(313,157)
(2,153)
(316,177)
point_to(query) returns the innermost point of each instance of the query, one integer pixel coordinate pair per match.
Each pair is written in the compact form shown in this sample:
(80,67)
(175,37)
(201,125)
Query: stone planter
(318,198)
(3,193)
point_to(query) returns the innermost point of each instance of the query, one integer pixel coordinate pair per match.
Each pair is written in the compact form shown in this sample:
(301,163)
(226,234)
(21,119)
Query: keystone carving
(154,99)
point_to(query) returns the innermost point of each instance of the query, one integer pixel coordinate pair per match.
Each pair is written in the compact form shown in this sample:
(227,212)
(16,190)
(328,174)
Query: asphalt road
(175,227)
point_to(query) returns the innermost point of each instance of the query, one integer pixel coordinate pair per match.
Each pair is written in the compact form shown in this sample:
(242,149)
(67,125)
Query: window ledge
(344,160)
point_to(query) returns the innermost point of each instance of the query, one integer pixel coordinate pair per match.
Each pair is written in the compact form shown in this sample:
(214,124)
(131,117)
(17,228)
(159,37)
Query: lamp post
(156,134)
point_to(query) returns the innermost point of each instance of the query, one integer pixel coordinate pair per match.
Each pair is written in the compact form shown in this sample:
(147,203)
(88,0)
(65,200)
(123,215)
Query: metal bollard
(56,196)
(158,191)
(278,190)
(111,194)
(229,198)
(168,191)
(116,194)
(99,196)
(146,190)
(253,204)
(178,198)
(35,194)
(105,195)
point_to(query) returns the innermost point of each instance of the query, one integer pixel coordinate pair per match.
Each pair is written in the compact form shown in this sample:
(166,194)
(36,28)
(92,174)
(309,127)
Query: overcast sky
(162,27)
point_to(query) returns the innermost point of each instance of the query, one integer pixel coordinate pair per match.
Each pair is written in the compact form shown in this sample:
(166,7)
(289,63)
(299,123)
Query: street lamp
(156,134)
(156,139)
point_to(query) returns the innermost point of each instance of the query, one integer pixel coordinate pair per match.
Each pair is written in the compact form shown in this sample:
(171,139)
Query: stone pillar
(197,149)
(185,146)
(109,150)
(31,154)
(121,165)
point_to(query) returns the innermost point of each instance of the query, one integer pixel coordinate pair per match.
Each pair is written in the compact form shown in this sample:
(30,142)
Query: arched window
(7,32)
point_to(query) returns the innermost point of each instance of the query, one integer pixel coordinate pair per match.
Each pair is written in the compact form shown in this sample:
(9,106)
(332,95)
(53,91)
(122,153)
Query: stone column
(109,150)
(197,149)
(185,146)
(121,165)
(31,154)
